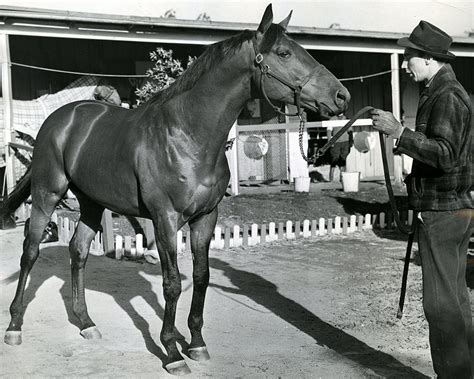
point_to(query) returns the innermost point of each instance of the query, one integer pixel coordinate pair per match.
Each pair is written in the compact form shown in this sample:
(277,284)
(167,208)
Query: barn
(43,51)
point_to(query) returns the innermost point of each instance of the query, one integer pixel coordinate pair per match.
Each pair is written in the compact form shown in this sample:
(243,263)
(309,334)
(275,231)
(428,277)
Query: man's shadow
(54,262)
(266,294)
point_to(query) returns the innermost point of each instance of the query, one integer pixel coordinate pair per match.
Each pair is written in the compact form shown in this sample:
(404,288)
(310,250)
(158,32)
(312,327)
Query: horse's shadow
(54,262)
(266,294)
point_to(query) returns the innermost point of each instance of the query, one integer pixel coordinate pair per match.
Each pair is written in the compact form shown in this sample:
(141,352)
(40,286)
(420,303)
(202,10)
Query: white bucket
(302,183)
(350,181)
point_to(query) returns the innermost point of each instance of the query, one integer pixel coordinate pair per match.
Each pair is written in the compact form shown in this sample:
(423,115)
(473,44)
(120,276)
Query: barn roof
(31,21)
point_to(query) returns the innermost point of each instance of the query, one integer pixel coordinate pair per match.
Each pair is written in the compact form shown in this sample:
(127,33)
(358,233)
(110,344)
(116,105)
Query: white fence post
(271,232)
(289,230)
(337,225)
(237,241)
(306,232)
(322,226)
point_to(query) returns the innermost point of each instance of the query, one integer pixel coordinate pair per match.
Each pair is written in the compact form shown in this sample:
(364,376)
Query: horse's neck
(220,95)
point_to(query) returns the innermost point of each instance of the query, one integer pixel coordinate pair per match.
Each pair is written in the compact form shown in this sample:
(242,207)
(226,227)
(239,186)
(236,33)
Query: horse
(164,160)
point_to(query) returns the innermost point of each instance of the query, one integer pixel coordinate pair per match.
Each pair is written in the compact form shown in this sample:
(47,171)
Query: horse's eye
(284,54)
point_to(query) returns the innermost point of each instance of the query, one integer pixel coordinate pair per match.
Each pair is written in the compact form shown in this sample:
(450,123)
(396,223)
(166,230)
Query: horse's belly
(108,184)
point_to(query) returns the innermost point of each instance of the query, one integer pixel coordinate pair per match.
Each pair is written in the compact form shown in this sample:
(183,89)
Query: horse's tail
(11,202)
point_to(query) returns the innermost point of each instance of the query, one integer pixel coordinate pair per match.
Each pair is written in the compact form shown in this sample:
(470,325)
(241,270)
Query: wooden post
(245,235)
(397,159)
(289,230)
(344,225)
(360,223)
(179,241)
(382,220)
(280,231)
(368,221)
(306,232)
(7,111)
(232,159)
(330,226)
(263,233)
(108,232)
(218,243)
(254,240)
(139,245)
(188,241)
(297,229)
(353,223)
(337,225)
(314,228)
(118,247)
(226,237)
(322,226)
(128,247)
(150,235)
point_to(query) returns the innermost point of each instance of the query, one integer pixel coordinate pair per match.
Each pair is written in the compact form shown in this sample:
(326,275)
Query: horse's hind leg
(44,203)
(79,246)
(201,234)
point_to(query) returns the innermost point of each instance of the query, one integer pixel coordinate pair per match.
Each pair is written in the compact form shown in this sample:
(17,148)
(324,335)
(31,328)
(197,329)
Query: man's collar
(429,81)
(444,74)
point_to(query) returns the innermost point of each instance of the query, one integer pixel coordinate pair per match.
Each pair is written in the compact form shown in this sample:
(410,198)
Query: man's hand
(386,123)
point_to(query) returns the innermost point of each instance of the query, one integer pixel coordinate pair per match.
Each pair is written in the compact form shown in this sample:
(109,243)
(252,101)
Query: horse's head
(287,72)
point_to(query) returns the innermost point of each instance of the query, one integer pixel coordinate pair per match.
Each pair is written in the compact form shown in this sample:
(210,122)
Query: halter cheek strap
(265,71)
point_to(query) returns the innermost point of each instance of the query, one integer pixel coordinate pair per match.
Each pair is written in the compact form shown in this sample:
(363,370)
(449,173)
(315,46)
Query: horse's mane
(213,55)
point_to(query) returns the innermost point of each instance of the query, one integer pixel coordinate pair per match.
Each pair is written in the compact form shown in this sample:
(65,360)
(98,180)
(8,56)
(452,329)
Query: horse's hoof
(178,368)
(199,354)
(91,333)
(12,337)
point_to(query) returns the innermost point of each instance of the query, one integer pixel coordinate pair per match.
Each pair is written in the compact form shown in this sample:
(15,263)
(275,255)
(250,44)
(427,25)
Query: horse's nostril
(342,97)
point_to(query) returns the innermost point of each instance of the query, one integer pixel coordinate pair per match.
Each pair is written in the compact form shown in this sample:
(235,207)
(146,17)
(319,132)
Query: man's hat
(431,40)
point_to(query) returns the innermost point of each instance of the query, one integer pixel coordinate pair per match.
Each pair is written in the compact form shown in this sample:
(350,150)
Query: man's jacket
(441,146)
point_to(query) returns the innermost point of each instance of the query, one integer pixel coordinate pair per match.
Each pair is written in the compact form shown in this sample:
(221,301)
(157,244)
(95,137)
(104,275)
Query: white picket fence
(237,236)
(231,237)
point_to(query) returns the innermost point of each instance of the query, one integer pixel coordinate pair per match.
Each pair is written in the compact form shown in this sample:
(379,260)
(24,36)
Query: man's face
(415,65)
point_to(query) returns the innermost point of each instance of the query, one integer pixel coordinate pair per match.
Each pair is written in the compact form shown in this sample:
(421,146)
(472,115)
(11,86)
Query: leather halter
(265,71)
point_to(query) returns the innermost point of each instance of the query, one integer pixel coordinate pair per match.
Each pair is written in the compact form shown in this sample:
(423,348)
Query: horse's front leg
(202,229)
(165,235)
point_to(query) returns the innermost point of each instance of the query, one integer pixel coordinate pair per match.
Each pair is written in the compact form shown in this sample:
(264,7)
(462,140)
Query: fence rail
(132,247)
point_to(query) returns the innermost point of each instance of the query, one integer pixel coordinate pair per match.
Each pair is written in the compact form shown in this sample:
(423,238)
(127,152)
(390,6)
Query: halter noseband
(265,71)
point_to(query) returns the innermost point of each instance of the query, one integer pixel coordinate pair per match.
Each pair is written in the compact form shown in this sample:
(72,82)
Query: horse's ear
(286,21)
(267,20)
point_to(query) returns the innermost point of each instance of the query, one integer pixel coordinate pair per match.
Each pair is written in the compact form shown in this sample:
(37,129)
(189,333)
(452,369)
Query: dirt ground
(310,308)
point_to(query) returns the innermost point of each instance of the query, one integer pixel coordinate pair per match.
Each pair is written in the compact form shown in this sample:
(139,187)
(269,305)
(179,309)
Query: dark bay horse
(165,161)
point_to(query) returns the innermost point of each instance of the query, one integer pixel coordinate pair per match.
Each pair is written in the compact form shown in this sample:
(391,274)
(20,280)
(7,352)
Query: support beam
(397,159)
(233,161)
(7,109)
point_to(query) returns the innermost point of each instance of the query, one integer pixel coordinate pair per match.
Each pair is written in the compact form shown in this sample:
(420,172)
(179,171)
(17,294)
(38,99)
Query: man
(439,190)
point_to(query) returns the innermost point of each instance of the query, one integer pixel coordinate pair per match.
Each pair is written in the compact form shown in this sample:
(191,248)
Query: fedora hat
(429,39)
